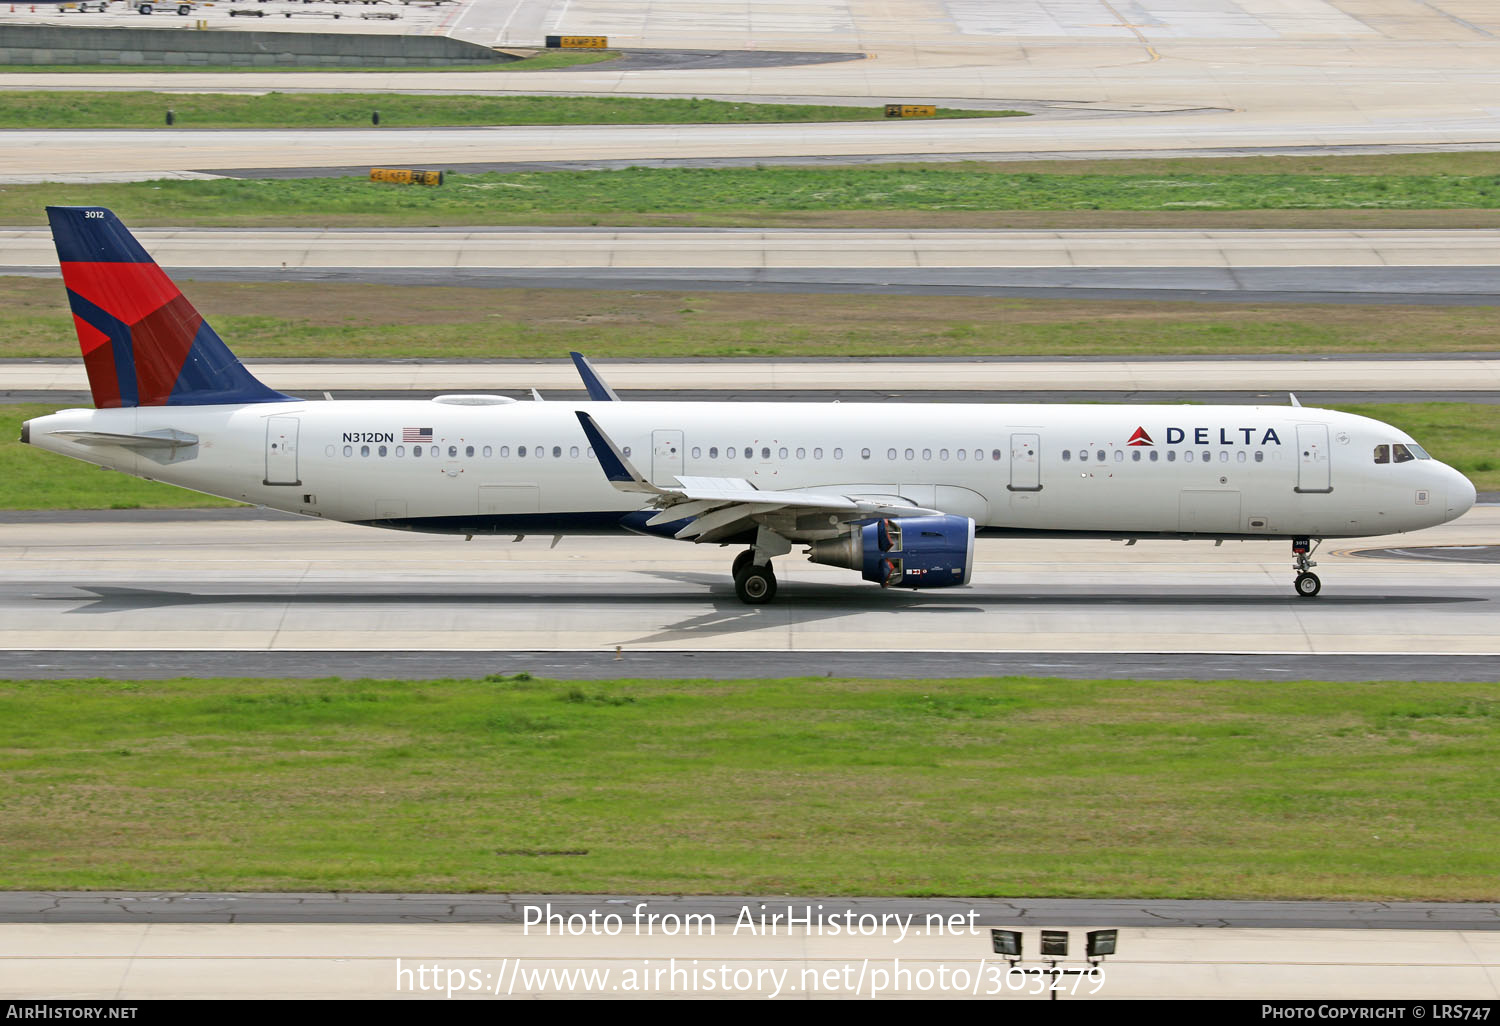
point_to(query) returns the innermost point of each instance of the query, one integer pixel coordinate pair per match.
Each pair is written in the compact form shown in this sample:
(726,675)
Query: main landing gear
(755,585)
(1307,583)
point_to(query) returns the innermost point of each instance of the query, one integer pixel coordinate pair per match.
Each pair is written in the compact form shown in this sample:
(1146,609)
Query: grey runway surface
(222,595)
(139,907)
(1428,286)
(135,664)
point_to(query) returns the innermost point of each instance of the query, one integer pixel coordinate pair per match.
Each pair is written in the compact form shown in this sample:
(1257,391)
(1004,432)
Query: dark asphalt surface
(719,665)
(187,907)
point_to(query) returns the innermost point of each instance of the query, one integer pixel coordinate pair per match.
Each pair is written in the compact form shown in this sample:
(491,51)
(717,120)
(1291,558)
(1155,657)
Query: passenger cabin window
(1401,454)
(1155,455)
(1067,454)
(838,454)
(864,454)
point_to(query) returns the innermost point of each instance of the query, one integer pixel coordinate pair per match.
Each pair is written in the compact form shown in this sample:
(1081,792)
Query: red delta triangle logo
(1140,438)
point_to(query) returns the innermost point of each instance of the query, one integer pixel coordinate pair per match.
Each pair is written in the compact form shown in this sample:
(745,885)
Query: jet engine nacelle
(905,552)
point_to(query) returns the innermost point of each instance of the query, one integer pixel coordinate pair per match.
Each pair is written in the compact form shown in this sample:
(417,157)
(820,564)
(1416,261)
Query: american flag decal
(414,434)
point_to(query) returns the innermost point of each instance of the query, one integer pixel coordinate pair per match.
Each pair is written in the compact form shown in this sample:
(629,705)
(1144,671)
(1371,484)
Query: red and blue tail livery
(143,343)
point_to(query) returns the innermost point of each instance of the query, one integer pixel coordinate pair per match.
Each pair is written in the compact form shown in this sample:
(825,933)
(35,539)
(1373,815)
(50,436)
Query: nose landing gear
(1307,584)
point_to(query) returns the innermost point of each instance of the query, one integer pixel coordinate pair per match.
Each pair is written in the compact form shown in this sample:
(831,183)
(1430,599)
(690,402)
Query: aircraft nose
(1461,494)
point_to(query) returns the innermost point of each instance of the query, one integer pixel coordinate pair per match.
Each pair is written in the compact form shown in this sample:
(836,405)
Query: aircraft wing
(718,507)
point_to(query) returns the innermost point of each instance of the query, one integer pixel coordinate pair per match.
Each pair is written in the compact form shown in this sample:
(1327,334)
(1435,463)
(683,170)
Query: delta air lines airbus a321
(895,493)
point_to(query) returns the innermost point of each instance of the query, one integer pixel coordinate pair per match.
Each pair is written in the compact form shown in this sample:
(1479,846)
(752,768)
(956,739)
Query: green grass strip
(45,109)
(1156,789)
(748,195)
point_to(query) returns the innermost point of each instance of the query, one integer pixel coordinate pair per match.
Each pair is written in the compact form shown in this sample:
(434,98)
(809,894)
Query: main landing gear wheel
(1307,583)
(755,585)
(740,561)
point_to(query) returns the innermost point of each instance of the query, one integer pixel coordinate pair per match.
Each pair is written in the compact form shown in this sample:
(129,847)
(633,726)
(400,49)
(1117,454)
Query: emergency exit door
(281,451)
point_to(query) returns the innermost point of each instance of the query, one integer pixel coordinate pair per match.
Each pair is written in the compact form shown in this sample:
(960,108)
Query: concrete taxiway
(231,585)
(785,249)
(146,960)
(1454,267)
(1271,375)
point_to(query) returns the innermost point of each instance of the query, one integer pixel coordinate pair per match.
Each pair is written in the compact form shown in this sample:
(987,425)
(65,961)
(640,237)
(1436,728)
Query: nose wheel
(1307,583)
(755,585)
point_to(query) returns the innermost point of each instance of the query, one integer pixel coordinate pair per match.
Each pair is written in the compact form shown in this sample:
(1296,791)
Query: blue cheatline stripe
(93,235)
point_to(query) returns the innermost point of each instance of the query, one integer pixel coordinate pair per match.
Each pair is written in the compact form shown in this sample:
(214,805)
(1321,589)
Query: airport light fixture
(1101,943)
(1054,945)
(1007,943)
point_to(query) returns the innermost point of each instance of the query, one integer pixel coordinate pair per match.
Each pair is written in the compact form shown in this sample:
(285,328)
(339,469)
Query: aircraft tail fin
(143,343)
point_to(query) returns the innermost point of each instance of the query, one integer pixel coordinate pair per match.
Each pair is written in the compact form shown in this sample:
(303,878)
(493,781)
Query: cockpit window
(1382,454)
(1419,452)
(1401,454)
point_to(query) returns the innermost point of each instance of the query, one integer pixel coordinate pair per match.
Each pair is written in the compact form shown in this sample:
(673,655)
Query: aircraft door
(1312,458)
(1025,463)
(281,451)
(666,458)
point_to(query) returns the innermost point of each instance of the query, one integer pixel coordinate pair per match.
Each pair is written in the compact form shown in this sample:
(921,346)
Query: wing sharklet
(598,390)
(617,469)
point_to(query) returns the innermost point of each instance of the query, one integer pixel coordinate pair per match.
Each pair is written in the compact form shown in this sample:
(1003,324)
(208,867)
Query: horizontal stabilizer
(166,446)
(151,440)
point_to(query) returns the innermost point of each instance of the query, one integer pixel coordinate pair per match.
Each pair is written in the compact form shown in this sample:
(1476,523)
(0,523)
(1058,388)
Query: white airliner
(895,492)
